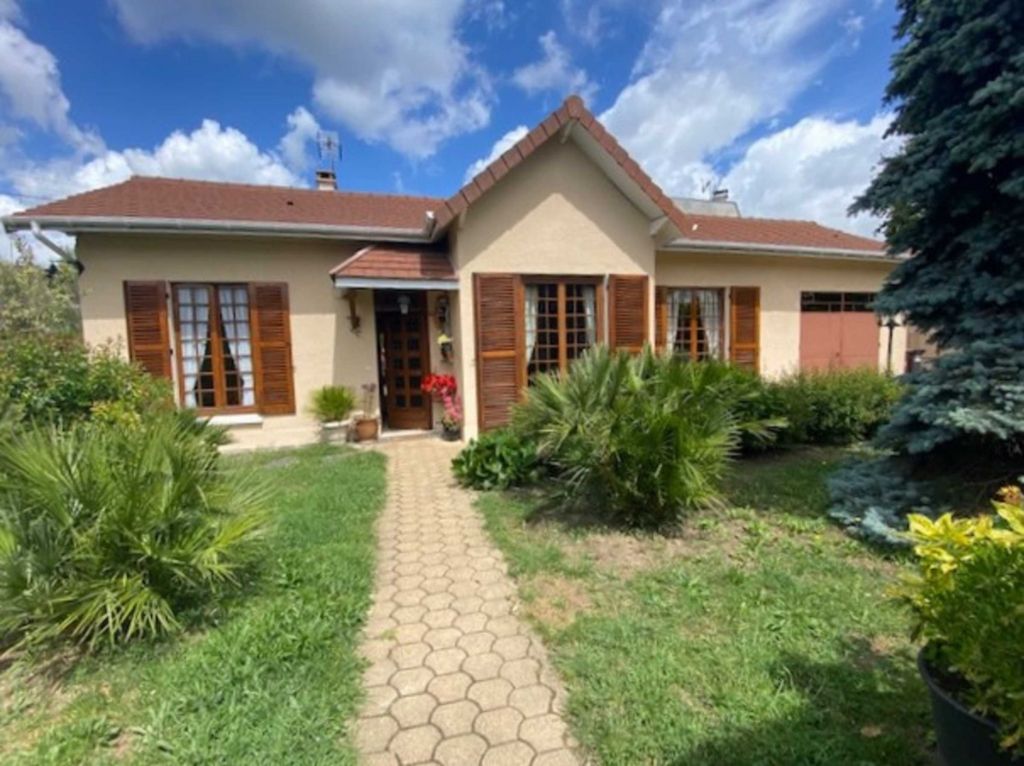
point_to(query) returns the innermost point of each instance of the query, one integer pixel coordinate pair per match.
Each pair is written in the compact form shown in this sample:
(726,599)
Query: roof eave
(83,224)
(759,248)
(385,283)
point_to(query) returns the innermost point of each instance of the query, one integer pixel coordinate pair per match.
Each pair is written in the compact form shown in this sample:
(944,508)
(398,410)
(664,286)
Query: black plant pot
(450,434)
(965,738)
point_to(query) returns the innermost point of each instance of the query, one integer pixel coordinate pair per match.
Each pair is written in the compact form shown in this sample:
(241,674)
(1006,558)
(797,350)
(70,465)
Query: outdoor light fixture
(403,304)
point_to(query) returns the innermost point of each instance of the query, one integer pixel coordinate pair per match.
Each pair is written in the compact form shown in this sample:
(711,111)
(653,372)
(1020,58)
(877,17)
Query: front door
(404,359)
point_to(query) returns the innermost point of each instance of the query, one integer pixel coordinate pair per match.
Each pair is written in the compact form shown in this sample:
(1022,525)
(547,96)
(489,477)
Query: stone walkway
(455,678)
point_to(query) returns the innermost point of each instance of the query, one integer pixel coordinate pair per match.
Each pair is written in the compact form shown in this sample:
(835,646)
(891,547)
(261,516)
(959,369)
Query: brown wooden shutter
(272,340)
(660,318)
(745,327)
(149,342)
(627,307)
(499,332)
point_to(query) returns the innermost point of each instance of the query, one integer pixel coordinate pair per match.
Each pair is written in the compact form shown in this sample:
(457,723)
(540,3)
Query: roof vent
(326,180)
(720,195)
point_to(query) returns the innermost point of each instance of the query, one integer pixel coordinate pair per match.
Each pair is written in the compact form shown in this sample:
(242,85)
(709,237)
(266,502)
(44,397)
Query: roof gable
(597,143)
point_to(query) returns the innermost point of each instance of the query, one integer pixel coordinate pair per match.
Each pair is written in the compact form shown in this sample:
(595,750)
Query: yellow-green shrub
(968,604)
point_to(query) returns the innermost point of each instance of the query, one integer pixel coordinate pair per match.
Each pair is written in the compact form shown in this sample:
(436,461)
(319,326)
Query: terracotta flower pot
(965,738)
(366,429)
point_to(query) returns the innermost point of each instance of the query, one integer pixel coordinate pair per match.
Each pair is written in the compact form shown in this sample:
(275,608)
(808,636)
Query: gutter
(76,225)
(741,248)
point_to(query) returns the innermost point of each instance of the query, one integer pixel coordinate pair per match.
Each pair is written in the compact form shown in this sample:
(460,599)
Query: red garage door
(837,330)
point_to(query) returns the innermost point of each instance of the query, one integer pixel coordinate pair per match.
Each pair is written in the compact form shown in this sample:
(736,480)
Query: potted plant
(445,388)
(967,599)
(366,420)
(332,406)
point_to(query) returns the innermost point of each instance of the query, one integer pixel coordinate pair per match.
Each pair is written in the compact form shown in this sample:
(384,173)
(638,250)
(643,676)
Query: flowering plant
(445,388)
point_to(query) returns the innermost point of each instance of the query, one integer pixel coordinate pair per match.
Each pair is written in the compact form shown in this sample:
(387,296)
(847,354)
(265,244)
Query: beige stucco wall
(781,279)
(324,350)
(556,213)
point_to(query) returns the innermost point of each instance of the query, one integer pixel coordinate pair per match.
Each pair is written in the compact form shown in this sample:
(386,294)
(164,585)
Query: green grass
(270,678)
(761,635)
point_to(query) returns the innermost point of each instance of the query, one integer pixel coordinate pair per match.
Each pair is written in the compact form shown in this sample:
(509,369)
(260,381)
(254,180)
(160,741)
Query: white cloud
(554,72)
(710,73)
(585,19)
(397,72)
(30,84)
(209,152)
(501,146)
(303,129)
(813,169)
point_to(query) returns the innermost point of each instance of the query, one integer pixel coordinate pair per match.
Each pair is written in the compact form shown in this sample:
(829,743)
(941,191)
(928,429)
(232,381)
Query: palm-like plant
(643,439)
(109,533)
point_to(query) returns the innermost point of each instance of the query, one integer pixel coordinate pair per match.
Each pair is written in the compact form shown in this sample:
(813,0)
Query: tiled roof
(397,262)
(571,110)
(200,201)
(772,232)
(168,198)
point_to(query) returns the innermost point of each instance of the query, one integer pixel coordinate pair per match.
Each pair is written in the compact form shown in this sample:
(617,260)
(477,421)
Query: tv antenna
(329,147)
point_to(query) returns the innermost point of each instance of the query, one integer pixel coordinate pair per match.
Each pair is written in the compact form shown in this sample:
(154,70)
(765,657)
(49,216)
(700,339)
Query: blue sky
(779,100)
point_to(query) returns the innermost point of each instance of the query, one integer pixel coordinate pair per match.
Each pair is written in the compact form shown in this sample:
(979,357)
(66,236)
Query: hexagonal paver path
(455,677)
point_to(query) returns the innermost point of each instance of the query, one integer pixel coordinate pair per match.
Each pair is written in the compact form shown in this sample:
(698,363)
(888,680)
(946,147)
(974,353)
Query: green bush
(111,532)
(497,460)
(332,403)
(835,407)
(968,604)
(641,440)
(58,379)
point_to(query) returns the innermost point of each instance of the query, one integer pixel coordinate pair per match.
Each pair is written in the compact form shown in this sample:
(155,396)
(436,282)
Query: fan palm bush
(111,532)
(641,439)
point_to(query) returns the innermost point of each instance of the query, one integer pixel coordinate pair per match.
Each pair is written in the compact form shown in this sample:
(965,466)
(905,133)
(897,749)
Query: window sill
(241,419)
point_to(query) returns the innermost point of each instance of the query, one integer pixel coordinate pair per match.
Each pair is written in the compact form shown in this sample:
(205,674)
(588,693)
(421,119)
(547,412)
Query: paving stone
(545,732)
(490,694)
(411,633)
(413,710)
(461,751)
(443,661)
(479,642)
(520,673)
(455,717)
(407,656)
(450,687)
(409,597)
(509,754)
(562,757)
(498,726)
(532,700)
(412,681)
(512,647)
(471,623)
(375,733)
(415,745)
(436,601)
(378,700)
(441,618)
(483,666)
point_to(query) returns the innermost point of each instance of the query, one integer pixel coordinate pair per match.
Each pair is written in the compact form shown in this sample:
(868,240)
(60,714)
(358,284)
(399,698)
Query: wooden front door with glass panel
(404,346)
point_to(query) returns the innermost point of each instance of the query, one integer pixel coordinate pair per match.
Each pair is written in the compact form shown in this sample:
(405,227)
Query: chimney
(720,195)
(326,180)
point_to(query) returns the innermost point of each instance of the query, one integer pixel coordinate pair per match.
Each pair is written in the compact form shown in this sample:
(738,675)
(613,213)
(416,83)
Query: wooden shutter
(272,341)
(745,327)
(627,306)
(499,333)
(660,318)
(149,342)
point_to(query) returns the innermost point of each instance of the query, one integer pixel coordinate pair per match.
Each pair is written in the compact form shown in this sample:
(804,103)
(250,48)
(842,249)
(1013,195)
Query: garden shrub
(58,379)
(333,403)
(968,605)
(497,460)
(641,440)
(834,407)
(111,531)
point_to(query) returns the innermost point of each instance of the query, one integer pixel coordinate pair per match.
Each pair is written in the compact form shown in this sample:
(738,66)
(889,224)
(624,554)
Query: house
(252,297)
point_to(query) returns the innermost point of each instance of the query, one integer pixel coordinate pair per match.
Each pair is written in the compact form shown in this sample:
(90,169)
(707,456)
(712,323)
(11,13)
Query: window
(561,323)
(214,345)
(696,322)
(836,302)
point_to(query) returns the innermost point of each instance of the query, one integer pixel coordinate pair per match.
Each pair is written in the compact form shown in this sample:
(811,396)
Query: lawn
(270,678)
(760,635)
